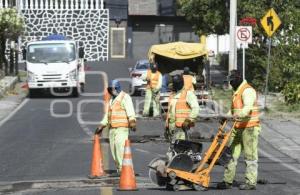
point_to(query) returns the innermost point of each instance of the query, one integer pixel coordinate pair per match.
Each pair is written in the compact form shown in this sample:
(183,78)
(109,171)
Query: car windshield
(142,65)
(51,53)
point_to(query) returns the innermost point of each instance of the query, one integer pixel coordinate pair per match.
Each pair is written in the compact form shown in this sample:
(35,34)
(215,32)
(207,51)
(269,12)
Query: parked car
(137,73)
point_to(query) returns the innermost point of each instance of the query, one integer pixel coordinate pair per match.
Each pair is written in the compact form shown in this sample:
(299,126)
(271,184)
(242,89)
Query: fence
(54,4)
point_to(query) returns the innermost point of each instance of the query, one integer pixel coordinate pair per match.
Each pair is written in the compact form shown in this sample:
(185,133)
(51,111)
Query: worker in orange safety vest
(183,109)
(154,84)
(244,137)
(189,80)
(119,118)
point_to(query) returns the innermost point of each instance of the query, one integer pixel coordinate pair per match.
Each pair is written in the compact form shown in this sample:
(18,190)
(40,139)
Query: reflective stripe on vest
(153,80)
(117,115)
(252,119)
(188,82)
(182,109)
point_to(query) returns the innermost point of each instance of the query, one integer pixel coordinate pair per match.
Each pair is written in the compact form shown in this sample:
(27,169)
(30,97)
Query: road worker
(119,118)
(154,84)
(189,80)
(245,134)
(183,109)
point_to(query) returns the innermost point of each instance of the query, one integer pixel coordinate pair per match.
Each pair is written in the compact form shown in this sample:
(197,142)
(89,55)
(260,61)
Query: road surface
(46,145)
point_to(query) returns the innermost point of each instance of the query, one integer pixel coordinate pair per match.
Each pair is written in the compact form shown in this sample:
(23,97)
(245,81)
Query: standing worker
(189,80)
(245,134)
(183,109)
(154,84)
(120,116)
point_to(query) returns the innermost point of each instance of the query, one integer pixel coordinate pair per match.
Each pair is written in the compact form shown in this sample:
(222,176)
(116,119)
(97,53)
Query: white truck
(54,64)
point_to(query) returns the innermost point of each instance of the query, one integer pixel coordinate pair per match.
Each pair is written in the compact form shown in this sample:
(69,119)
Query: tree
(285,60)
(11,27)
(206,16)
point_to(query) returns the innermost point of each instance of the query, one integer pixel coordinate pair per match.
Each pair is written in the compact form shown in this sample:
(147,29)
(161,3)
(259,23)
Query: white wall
(218,43)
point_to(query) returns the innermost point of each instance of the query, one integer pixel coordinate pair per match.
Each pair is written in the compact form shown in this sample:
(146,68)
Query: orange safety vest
(188,82)
(237,104)
(182,109)
(154,81)
(117,115)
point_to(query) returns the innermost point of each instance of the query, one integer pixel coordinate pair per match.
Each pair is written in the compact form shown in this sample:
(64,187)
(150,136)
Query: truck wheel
(81,87)
(75,92)
(33,93)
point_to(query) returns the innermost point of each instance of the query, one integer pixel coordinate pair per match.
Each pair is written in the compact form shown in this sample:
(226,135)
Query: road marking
(13,112)
(148,152)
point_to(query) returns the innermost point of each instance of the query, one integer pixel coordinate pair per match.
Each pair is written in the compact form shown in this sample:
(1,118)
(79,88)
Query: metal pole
(268,71)
(232,49)
(244,76)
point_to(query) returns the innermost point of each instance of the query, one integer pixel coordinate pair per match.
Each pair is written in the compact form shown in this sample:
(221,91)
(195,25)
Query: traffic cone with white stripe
(127,179)
(97,169)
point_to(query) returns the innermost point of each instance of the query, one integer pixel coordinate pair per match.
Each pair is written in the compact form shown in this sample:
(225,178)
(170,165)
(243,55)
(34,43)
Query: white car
(137,73)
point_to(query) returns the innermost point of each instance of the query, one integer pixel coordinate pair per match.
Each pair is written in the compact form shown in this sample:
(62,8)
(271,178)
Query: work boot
(247,187)
(224,185)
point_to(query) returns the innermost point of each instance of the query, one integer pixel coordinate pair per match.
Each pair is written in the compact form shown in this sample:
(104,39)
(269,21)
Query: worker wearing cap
(189,80)
(244,137)
(183,109)
(119,118)
(154,84)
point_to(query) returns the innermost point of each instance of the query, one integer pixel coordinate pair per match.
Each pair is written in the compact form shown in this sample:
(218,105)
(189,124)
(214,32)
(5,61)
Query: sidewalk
(11,95)
(282,134)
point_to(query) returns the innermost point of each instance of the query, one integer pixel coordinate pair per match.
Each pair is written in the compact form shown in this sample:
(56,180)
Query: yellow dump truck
(173,57)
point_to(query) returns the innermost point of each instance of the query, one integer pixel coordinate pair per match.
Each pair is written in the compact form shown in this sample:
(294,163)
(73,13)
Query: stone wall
(89,27)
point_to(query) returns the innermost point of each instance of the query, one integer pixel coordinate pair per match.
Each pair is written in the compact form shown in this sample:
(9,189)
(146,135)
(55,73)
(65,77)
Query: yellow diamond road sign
(270,22)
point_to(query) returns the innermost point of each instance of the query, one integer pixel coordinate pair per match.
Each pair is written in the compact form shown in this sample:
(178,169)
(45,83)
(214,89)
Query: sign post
(270,22)
(243,37)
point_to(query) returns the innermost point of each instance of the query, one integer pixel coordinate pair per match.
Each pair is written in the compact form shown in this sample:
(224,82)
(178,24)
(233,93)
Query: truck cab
(56,64)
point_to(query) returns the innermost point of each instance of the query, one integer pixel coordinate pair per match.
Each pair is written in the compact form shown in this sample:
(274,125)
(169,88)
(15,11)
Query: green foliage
(11,24)
(211,16)
(291,92)
(206,16)
(11,27)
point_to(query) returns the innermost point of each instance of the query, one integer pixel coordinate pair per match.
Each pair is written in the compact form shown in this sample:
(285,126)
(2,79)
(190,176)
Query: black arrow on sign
(270,22)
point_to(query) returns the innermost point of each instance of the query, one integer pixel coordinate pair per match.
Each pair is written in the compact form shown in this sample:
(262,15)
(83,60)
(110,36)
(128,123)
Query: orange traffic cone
(97,169)
(127,179)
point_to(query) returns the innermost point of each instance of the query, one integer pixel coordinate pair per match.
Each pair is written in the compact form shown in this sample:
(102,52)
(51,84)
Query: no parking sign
(243,35)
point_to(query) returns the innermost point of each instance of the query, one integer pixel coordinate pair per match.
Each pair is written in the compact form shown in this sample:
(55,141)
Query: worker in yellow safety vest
(119,118)
(183,109)
(189,80)
(154,84)
(244,137)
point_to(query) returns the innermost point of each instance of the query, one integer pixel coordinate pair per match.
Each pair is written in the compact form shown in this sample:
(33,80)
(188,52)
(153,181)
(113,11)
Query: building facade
(135,25)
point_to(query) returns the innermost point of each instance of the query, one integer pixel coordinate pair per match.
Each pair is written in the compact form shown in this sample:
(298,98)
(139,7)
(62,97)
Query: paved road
(43,154)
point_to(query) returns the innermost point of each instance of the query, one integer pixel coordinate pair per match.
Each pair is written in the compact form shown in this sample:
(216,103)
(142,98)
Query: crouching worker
(119,118)
(183,109)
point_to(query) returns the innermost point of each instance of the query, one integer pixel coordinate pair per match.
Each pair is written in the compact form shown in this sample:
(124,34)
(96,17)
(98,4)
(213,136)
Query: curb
(7,83)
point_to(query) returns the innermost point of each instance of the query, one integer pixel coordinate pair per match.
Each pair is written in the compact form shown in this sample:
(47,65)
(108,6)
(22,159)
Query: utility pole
(232,50)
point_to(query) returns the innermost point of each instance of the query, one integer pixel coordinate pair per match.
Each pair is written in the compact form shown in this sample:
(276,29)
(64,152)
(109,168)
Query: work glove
(99,129)
(132,125)
(222,120)
(187,124)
